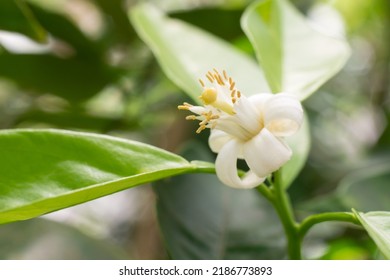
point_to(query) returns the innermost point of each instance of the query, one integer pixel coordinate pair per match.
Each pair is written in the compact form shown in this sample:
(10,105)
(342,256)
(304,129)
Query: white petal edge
(226,168)
(282,114)
(266,153)
(218,139)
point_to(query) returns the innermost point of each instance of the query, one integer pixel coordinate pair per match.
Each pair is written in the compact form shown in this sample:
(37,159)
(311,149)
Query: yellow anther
(232,85)
(208,96)
(201,83)
(239,94)
(209,76)
(233,93)
(185,106)
(225,75)
(203,123)
(202,127)
(219,80)
(191,118)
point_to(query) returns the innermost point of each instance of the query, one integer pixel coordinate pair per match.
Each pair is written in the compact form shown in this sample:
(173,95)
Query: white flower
(250,128)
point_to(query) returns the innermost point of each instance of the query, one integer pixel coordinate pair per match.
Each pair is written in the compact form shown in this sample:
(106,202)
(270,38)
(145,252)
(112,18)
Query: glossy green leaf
(295,56)
(300,146)
(16,16)
(73,120)
(45,170)
(201,218)
(186,53)
(377,225)
(367,189)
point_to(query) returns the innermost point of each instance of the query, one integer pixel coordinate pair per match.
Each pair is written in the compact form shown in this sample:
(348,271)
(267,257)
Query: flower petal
(218,139)
(258,100)
(247,116)
(226,167)
(266,153)
(283,114)
(229,125)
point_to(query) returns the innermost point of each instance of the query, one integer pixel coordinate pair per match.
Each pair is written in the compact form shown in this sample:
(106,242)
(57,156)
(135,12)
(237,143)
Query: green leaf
(229,31)
(116,13)
(347,248)
(377,225)
(295,57)
(73,120)
(16,16)
(186,53)
(61,27)
(74,79)
(367,189)
(201,218)
(45,170)
(300,145)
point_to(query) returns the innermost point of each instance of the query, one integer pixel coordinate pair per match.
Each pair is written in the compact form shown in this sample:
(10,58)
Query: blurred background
(79,65)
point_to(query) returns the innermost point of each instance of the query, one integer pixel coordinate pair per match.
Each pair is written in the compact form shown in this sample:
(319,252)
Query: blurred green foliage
(80,65)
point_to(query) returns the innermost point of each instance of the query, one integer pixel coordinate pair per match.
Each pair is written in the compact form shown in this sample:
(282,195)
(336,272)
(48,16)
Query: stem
(295,232)
(265,191)
(282,204)
(310,221)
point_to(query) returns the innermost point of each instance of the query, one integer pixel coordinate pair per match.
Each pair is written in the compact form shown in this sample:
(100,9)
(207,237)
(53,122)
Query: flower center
(209,96)
(218,100)
(224,108)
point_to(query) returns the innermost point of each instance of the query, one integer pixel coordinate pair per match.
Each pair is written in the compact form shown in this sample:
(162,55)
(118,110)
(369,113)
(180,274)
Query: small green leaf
(367,189)
(16,16)
(186,53)
(295,57)
(46,170)
(300,145)
(377,225)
